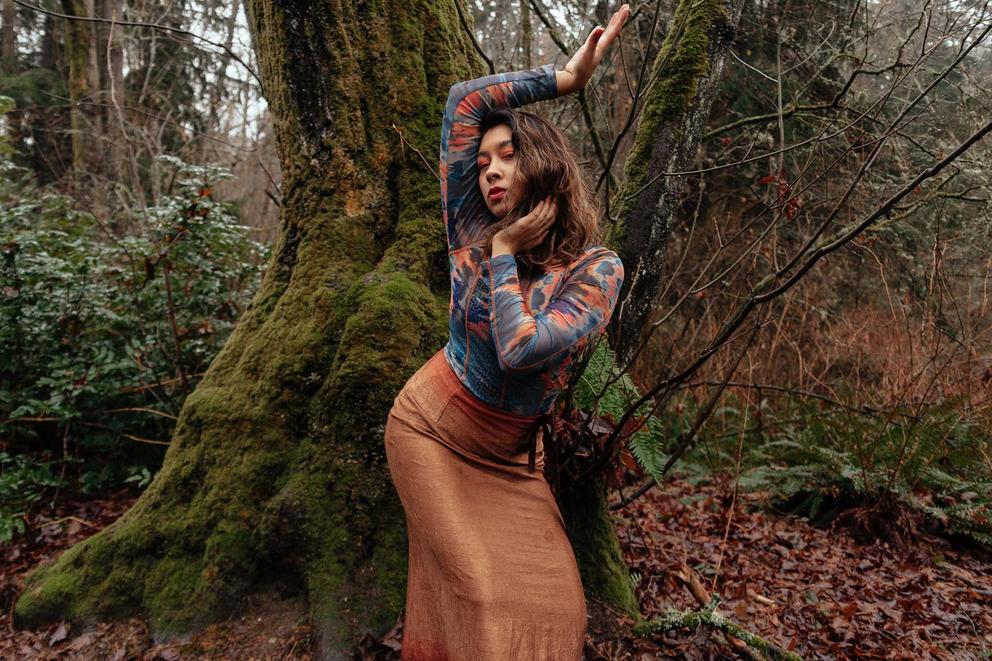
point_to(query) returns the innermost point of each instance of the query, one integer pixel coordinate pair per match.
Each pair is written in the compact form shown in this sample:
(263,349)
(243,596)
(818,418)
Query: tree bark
(687,72)
(8,64)
(526,35)
(216,90)
(8,38)
(78,44)
(112,70)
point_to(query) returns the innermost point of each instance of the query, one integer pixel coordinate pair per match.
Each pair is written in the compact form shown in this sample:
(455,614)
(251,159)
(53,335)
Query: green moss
(170,586)
(231,548)
(351,586)
(682,61)
(48,591)
(597,549)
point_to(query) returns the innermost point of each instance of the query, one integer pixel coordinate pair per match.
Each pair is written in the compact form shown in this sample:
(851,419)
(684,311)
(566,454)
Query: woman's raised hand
(528,231)
(579,69)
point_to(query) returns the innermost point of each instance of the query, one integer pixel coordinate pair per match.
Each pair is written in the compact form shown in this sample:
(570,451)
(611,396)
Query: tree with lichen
(276,471)
(687,73)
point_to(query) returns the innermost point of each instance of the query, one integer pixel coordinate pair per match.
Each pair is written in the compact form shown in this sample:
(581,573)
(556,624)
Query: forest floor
(819,592)
(823,593)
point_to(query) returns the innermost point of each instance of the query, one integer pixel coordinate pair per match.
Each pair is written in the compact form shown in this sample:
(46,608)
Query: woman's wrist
(501,247)
(565,81)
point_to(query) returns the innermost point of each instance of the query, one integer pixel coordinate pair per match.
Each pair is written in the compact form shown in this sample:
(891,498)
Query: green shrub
(106,324)
(23,481)
(936,464)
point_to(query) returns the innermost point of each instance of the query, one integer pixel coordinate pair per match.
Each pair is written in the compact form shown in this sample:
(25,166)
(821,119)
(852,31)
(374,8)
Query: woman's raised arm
(465,213)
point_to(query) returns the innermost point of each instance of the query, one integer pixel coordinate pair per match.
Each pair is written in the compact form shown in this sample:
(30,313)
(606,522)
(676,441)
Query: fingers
(538,211)
(545,209)
(541,216)
(616,23)
(594,36)
(538,222)
(587,58)
(548,214)
(535,225)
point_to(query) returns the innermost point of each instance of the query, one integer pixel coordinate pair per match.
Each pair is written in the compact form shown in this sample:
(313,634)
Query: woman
(492,575)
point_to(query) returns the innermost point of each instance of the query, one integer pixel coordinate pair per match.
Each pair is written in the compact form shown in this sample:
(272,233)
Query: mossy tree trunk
(687,71)
(605,578)
(276,471)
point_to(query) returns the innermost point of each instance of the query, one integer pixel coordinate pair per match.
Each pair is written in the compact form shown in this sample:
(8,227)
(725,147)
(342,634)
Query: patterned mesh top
(512,347)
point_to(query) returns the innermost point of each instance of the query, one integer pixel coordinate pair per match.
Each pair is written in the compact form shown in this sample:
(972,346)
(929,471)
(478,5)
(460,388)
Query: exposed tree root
(708,615)
(742,639)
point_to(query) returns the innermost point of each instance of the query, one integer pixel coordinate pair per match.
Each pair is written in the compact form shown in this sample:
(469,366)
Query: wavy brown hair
(546,165)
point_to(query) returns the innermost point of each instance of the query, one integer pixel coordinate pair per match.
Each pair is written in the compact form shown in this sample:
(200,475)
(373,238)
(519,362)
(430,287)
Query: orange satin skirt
(492,575)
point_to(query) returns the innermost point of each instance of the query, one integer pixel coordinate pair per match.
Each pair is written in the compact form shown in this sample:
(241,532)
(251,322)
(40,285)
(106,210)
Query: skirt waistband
(478,427)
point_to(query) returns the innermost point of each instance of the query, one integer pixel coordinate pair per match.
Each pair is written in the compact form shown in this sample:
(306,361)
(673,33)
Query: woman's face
(497,170)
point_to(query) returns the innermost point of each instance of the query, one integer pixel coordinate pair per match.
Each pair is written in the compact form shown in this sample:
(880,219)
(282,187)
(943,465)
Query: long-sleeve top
(512,348)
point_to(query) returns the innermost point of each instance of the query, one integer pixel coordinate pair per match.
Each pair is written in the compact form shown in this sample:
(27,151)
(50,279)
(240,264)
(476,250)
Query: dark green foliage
(649,443)
(23,481)
(936,465)
(87,348)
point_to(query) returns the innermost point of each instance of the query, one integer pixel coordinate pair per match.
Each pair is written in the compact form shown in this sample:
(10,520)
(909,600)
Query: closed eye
(506,157)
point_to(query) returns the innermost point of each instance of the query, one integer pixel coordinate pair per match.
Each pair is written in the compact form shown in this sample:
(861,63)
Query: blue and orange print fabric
(512,346)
